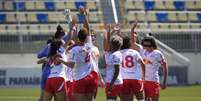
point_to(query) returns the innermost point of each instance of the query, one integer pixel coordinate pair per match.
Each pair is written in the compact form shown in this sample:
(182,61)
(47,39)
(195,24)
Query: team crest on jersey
(147,61)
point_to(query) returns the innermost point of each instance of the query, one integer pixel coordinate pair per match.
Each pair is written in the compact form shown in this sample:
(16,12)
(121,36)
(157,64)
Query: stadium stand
(46,12)
(162,14)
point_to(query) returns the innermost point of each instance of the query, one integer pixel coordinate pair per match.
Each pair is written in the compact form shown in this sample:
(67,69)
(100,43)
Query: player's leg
(47,96)
(61,96)
(79,97)
(79,89)
(48,91)
(155,98)
(59,87)
(138,90)
(128,97)
(91,87)
(89,97)
(126,94)
(151,90)
(116,91)
(140,96)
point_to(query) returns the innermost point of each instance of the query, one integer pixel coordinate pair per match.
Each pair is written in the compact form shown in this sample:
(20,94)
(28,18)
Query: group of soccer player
(70,65)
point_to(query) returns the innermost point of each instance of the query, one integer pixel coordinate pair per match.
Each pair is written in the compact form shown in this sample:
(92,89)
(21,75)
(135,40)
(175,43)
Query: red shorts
(151,88)
(55,85)
(85,85)
(95,75)
(131,86)
(69,91)
(116,90)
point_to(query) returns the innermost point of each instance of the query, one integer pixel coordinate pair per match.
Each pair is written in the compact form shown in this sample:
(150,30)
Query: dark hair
(82,34)
(59,33)
(54,47)
(126,42)
(151,40)
(49,41)
(116,42)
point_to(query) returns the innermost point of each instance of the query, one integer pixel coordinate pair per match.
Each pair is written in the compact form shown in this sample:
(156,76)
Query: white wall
(194,70)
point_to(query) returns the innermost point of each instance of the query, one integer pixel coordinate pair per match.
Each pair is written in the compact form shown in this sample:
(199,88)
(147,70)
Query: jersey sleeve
(160,58)
(73,56)
(138,56)
(43,52)
(116,59)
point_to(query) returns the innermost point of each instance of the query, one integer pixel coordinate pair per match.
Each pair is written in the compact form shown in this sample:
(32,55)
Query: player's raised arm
(133,32)
(71,21)
(116,29)
(134,27)
(85,12)
(42,60)
(106,40)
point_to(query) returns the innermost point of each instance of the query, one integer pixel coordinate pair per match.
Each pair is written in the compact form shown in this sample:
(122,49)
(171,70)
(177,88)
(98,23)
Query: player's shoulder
(75,48)
(117,53)
(129,51)
(156,51)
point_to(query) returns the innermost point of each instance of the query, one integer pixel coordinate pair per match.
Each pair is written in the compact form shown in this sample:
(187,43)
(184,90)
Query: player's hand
(116,28)
(163,86)
(81,10)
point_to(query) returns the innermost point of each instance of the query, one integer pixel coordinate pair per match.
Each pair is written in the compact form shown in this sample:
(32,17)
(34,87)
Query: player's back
(81,55)
(130,68)
(57,69)
(111,60)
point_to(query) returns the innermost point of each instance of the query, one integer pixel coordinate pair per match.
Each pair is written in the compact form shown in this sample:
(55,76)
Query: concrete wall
(194,70)
(29,61)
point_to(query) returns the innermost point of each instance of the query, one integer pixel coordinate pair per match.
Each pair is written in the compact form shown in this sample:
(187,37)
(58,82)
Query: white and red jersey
(95,52)
(153,60)
(141,50)
(130,68)
(58,70)
(111,60)
(69,71)
(82,56)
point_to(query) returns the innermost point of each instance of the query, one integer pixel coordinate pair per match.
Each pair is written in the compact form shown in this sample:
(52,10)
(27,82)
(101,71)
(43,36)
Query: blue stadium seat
(42,17)
(49,5)
(179,5)
(19,6)
(199,17)
(80,18)
(78,4)
(149,5)
(162,17)
(2,18)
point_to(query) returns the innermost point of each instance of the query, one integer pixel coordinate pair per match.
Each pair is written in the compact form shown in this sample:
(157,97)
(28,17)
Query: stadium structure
(25,26)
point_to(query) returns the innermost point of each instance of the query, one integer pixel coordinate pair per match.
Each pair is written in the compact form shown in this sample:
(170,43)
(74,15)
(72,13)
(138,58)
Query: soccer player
(113,60)
(153,59)
(69,74)
(84,85)
(42,54)
(131,72)
(55,84)
(95,52)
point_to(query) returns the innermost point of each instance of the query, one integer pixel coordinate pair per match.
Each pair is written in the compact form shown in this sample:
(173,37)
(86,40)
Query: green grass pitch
(185,93)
